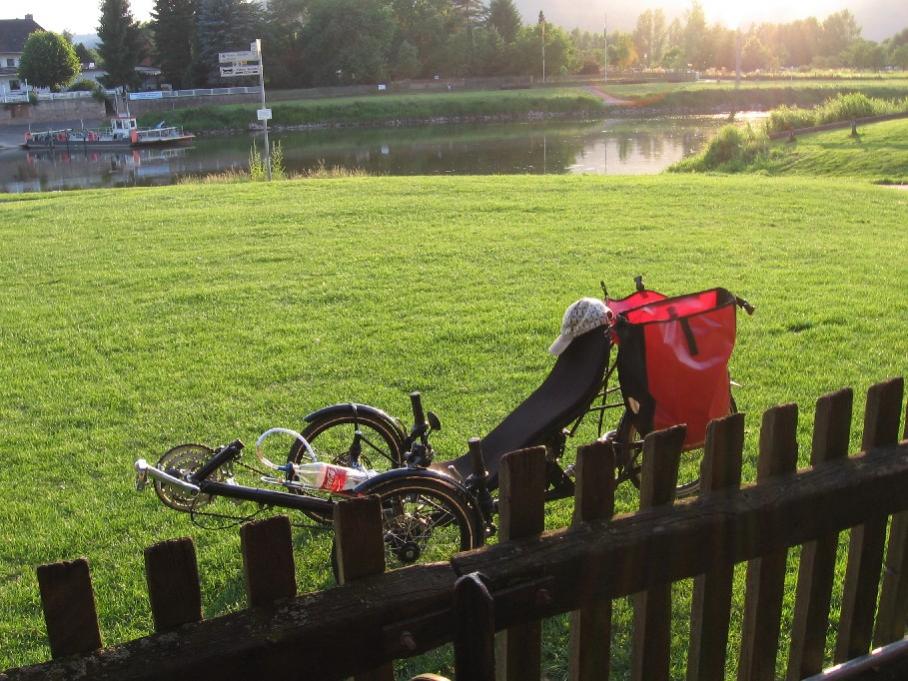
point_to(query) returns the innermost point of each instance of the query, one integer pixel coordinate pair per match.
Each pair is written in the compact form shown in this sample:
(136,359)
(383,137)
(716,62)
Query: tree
(693,39)
(223,26)
(427,25)
(282,33)
(406,63)
(120,46)
(173,22)
(839,31)
(48,60)
(505,18)
(87,55)
(755,55)
(348,41)
(649,36)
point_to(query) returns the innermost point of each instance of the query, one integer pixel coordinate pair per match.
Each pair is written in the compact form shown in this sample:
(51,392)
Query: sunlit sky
(880,18)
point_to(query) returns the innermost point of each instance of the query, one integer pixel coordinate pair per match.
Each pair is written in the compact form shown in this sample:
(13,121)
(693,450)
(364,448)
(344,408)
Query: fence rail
(532,575)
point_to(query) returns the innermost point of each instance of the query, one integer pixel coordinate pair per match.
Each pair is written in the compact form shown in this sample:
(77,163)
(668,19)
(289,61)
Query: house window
(10,63)
(13,85)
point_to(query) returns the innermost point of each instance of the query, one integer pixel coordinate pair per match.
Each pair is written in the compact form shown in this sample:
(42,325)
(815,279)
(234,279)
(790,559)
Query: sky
(879,18)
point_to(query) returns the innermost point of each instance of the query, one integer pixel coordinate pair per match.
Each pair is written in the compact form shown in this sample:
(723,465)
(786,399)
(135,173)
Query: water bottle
(330,477)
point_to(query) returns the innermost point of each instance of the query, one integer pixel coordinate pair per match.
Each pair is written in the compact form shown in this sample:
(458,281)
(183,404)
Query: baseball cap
(581,316)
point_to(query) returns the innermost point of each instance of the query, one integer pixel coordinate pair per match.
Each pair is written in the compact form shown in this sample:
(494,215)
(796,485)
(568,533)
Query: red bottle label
(335,478)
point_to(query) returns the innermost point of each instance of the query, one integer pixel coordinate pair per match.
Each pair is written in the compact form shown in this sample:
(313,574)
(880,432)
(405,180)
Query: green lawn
(879,153)
(136,319)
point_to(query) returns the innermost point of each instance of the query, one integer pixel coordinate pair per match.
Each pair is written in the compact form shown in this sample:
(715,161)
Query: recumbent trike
(672,366)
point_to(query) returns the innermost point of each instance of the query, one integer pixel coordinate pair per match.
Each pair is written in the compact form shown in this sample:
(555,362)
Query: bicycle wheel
(631,444)
(332,437)
(424,520)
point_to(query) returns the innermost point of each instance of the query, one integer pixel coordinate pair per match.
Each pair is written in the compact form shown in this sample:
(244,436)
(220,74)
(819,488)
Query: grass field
(136,319)
(879,153)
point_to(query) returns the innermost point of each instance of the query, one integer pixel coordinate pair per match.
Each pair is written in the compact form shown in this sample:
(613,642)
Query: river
(620,147)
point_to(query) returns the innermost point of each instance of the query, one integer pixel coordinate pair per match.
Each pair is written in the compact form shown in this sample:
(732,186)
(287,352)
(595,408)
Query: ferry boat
(122,133)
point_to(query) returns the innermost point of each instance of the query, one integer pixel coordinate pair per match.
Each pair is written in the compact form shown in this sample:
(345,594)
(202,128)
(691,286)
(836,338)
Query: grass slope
(879,153)
(136,319)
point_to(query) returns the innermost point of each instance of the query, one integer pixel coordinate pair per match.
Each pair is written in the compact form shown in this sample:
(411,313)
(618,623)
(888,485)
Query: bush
(732,150)
(83,85)
(843,107)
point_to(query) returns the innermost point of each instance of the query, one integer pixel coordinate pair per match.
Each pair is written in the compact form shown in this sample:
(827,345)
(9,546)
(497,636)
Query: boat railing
(161,133)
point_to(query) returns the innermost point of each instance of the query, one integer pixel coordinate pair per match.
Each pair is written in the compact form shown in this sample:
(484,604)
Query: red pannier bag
(673,359)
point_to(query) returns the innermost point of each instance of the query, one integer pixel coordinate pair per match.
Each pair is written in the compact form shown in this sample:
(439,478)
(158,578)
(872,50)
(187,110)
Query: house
(13,33)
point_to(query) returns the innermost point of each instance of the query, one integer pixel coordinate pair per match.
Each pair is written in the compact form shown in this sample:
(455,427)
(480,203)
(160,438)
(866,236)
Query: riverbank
(642,100)
(876,154)
(139,318)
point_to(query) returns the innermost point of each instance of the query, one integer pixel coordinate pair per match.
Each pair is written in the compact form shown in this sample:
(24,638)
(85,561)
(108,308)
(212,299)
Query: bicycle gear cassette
(182,461)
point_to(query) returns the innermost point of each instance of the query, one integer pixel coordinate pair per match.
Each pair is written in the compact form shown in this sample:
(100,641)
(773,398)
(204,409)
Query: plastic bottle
(326,476)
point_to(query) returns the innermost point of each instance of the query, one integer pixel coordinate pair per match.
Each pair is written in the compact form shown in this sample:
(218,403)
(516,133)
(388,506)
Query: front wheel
(424,520)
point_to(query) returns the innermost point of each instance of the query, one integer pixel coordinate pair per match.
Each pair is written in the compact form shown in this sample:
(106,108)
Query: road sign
(233,57)
(264,114)
(241,70)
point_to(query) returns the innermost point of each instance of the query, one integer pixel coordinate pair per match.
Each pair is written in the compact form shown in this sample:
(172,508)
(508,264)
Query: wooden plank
(172,574)
(711,601)
(521,504)
(359,543)
(651,643)
(268,566)
(589,654)
(474,630)
(890,624)
(816,571)
(68,601)
(766,574)
(272,643)
(865,548)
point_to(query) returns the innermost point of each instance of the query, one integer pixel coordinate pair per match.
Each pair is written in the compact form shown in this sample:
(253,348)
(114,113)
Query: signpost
(238,65)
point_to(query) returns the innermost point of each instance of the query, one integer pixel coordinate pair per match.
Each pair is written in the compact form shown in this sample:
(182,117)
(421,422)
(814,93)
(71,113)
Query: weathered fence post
(816,572)
(651,643)
(521,514)
(474,630)
(172,574)
(766,575)
(589,653)
(890,620)
(711,603)
(360,547)
(68,601)
(267,548)
(865,550)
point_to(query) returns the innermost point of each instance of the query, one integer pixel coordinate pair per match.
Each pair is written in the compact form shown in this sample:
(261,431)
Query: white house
(13,33)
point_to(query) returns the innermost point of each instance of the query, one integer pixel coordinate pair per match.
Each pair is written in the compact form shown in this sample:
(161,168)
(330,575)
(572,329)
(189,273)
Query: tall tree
(505,18)
(48,60)
(348,41)
(694,43)
(224,26)
(649,36)
(839,31)
(282,33)
(426,25)
(173,22)
(120,46)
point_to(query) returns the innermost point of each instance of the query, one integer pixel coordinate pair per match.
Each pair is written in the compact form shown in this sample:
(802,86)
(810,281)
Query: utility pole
(542,28)
(605,50)
(236,64)
(738,58)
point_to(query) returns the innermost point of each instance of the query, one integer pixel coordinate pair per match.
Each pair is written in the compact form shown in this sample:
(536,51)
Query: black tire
(630,456)
(424,520)
(331,436)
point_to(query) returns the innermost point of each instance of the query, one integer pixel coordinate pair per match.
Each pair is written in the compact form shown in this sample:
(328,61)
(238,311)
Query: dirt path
(606,97)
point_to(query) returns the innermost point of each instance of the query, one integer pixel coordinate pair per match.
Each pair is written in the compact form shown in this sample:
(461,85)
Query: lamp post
(738,57)
(542,32)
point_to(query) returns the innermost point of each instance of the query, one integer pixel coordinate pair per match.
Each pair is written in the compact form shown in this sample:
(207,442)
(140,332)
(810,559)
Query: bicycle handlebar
(419,417)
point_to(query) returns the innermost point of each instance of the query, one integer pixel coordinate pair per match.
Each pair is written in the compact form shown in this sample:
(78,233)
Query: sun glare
(741,15)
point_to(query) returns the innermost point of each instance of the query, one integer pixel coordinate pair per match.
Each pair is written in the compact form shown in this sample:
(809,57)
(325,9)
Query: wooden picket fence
(490,602)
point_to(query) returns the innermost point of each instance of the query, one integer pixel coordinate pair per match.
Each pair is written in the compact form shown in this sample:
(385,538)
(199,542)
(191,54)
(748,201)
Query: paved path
(606,97)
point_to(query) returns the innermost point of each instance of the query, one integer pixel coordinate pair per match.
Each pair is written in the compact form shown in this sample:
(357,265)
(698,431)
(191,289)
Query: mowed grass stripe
(136,319)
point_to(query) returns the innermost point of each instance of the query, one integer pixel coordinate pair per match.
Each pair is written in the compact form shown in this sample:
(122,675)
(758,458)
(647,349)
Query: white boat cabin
(122,126)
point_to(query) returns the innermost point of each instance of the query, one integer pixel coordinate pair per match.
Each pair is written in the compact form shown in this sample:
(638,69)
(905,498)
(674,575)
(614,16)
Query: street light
(605,48)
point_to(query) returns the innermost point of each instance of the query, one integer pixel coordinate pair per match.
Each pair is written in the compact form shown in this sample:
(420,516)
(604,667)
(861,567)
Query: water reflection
(602,147)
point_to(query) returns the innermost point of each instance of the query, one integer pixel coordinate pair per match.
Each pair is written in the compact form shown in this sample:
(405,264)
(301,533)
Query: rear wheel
(630,457)
(424,520)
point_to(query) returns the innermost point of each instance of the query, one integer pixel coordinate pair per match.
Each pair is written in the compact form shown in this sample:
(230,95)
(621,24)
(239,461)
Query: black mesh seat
(564,395)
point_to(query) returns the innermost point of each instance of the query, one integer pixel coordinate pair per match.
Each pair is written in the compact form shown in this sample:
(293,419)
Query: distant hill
(88,39)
